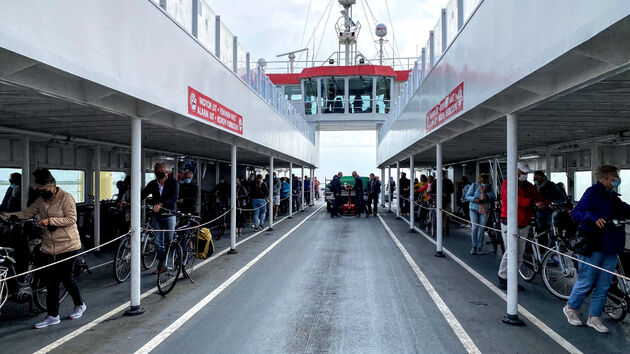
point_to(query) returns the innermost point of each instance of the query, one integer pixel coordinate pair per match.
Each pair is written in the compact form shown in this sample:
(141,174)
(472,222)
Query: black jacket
(188,192)
(374,187)
(358,186)
(335,186)
(259,193)
(169,196)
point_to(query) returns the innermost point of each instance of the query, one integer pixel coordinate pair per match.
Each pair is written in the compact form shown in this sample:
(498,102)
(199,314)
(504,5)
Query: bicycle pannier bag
(205,246)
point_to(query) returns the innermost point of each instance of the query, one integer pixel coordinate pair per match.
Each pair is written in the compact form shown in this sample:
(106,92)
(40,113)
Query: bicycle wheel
(189,249)
(528,267)
(40,292)
(617,305)
(4,289)
(167,279)
(122,260)
(149,250)
(559,274)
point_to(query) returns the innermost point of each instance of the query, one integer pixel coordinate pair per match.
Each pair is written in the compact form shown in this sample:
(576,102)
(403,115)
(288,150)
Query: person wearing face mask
(480,195)
(528,197)
(164,192)
(58,215)
(187,201)
(599,204)
(553,194)
(12,201)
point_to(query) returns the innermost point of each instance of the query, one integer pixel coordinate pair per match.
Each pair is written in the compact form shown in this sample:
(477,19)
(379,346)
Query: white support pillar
(290,190)
(390,195)
(548,162)
(382,187)
(233,202)
(397,180)
(248,69)
(460,14)
(423,62)
(512,221)
(26,170)
(411,206)
(136,188)
(217,173)
(439,231)
(97,196)
(477,170)
(312,194)
(302,192)
(235,53)
(594,161)
(176,168)
(495,176)
(199,180)
(431,50)
(163,4)
(444,31)
(271,205)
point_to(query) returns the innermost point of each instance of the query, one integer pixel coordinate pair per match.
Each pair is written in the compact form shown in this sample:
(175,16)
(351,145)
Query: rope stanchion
(546,247)
(67,258)
(260,207)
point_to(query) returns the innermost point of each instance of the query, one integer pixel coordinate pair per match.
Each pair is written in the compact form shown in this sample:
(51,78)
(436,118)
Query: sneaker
(572,316)
(596,323)
(78,312)
(473,251)
(48,321)
(479,251)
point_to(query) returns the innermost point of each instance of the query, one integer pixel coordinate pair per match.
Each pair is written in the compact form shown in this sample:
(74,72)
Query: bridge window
(383,95)
(293,93)
(310,96)
(333,95)
(71,181)
(360,95)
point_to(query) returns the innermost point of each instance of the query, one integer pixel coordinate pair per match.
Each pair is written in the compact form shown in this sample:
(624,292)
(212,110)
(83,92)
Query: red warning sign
(204,107)
(452,104)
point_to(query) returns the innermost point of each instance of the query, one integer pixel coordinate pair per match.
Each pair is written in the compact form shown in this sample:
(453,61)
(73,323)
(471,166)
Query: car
(346,182)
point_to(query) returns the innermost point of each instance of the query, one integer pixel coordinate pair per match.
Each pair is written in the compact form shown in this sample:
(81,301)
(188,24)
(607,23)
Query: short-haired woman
(58,215)
(480,195)
(599,204)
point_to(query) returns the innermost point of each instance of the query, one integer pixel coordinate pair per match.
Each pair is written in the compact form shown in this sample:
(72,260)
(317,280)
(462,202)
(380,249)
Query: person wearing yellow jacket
(57,213)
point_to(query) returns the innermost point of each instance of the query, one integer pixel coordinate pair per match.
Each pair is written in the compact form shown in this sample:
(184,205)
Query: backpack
(464,192)
(205,246)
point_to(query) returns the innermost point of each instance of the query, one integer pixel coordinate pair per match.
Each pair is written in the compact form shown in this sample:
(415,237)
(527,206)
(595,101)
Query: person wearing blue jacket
(599,204)
(480,195)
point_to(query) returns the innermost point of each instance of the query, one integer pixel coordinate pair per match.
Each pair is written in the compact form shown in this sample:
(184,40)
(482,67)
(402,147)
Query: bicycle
(619,291)
(496,239)
(30,287)
(122,257)
(180,254)
(430,219)
(558,271)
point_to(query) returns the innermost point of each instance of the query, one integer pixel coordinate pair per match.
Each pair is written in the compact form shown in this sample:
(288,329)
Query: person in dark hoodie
(335,189)
(358,191)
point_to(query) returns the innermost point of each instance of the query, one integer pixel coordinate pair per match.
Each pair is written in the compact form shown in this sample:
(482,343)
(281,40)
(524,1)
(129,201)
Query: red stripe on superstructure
(328,71)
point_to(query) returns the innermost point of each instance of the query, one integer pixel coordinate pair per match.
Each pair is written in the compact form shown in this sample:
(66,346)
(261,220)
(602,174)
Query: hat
(43,177)
(523,167)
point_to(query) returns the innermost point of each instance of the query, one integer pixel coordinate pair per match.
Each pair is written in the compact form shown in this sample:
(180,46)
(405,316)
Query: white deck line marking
(77,332)
(531,317)
(460,332)
(101,265)
(155,341)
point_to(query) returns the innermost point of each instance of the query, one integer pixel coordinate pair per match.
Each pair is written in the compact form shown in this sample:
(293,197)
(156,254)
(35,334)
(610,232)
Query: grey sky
(270,27)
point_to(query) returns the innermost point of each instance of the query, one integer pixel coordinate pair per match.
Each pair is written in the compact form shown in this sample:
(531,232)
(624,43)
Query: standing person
(552,194)
(187,194)
(164,192)
(358,192)
(335,189)
(12,200)
(404,185)
(307,190)
(277,185)
(480,195)
(296,186)
(448,188)
(58,215)
(316,188)
(601,245)
(259,195)
(528,196)
(241,203)
(284,195)
(373,190)
(463,187)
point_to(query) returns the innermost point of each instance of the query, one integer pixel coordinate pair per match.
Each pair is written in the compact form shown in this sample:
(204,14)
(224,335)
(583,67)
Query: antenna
(291,56)
(381,31)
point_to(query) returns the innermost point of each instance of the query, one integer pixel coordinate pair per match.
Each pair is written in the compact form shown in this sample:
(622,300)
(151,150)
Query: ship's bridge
(355,97)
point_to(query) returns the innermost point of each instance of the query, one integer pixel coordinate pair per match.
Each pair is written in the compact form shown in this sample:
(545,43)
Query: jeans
(59,273)
(259,212)
(522,231)
(477,232)
(163,237)
(591,278)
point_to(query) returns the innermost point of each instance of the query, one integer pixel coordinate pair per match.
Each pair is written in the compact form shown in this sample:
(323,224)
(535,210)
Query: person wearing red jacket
(528,197)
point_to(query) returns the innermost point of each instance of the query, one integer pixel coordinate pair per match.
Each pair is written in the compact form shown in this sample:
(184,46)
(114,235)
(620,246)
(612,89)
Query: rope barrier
(546,247)
(191,227)
(416,203)
(67,258)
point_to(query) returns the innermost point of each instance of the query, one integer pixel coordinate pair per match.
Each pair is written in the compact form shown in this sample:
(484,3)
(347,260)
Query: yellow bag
(205,246)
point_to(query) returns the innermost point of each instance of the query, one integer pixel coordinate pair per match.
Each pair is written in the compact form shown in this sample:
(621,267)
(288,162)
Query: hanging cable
(323,32)
(308,12)
(367,18)
(315,30)
(394,45)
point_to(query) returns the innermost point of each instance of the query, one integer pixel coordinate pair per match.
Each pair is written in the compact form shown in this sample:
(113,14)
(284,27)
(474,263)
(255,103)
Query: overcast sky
(270,27)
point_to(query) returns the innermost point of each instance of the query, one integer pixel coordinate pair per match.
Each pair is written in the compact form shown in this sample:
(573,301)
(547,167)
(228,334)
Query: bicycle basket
(205,246)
